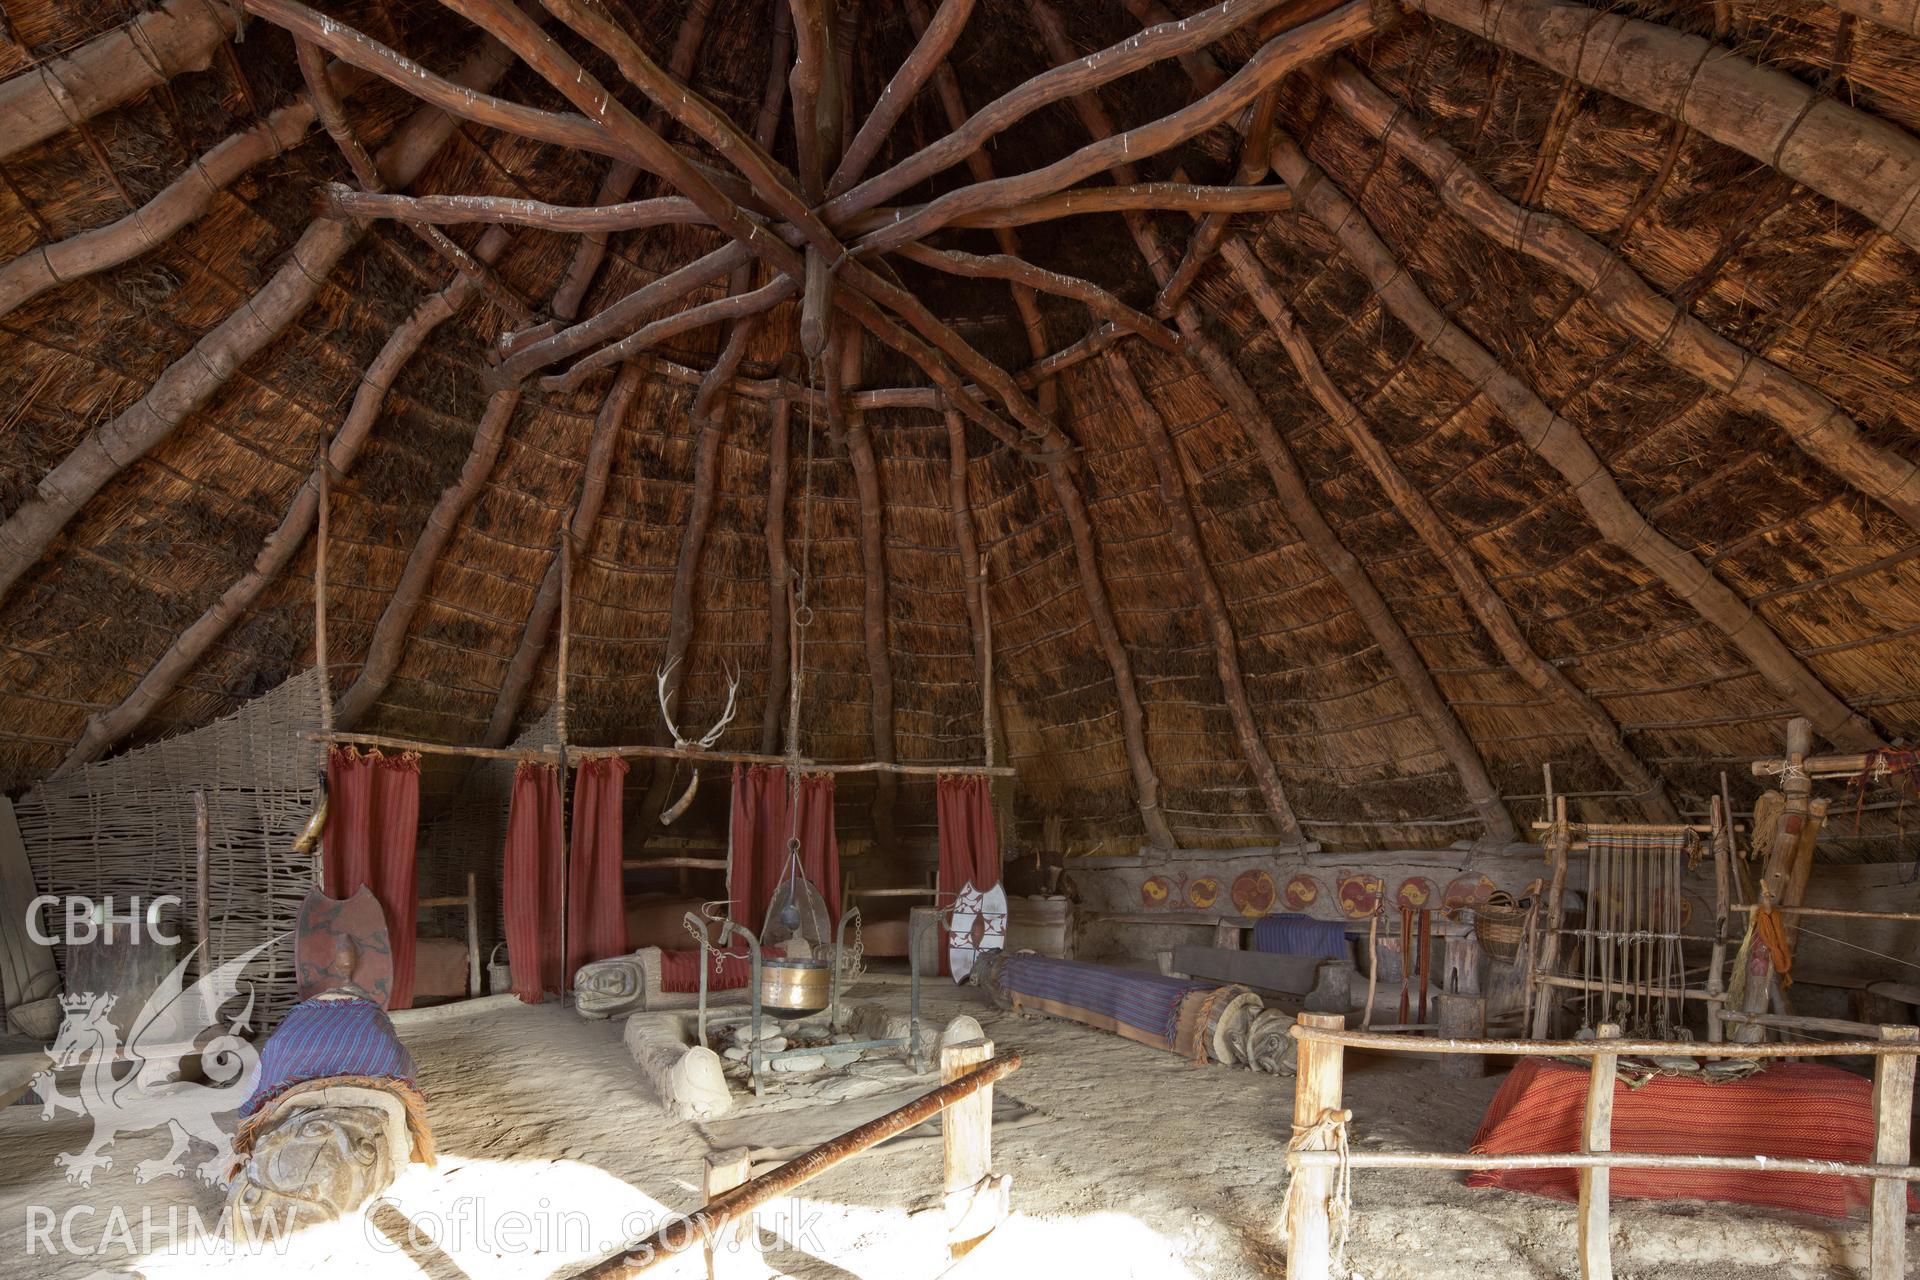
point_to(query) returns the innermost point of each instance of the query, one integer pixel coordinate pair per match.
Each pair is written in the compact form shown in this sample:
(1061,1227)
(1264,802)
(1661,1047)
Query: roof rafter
(1822,429)
(1561,445)
(191,381)
(1302,511)
(1850,156)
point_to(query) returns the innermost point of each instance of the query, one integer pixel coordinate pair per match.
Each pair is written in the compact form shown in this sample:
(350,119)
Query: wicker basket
(1499,923)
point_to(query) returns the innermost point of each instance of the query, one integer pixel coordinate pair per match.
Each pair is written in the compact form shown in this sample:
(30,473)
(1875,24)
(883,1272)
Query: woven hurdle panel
(125,826)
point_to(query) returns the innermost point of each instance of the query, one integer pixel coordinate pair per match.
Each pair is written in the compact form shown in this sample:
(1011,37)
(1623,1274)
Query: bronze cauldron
(794,987)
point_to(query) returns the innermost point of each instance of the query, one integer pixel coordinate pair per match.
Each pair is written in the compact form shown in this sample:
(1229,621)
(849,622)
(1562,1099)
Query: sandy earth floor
(552,1150)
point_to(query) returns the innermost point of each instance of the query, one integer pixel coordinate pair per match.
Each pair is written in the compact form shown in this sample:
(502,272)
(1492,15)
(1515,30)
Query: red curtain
(761,826)
(373,819)
(596,915)
(969,841)
(531,889)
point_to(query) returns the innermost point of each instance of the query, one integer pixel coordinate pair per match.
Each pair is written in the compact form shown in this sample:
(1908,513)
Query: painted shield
(1203,893)
(1253,893)
(1301,893)
(340,944)
(979,924)
(1467,891)
(1156,891)
(1360,894)
(1414,894)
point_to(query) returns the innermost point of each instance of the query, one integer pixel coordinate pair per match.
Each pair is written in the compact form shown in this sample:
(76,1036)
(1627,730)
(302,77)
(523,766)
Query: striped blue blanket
(1148,1002)
(1285,933)
(322,1038)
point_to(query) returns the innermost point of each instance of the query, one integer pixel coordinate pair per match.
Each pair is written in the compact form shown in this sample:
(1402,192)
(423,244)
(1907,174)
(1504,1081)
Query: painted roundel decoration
(1301,892)
(1360,894)
(1253,893)
(1156,891)
(1467,891)
(1415,893)
(1203,893)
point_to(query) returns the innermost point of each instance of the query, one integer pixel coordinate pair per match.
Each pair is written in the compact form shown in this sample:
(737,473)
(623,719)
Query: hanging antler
(682,743)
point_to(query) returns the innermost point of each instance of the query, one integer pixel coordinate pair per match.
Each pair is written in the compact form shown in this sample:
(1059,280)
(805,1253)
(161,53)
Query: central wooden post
(1596,1134)
(1309,1196)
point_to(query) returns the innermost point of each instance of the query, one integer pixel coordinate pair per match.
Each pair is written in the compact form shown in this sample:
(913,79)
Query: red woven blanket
(1791,1109)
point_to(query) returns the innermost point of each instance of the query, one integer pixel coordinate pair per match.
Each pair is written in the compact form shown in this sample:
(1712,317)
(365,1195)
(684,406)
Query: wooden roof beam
(388,643)
(620,175)
(1896,15)
(874,612)
(934,39)
(1648,790)
(1303,512)
(1286,52)
(1184,532)
(333,118)
(191,381)
(953,102)
(1850,156)
(111,69)
(1007,266)
(175,206)
(1561,445)
(1822,429)
(602,445)
(109,727)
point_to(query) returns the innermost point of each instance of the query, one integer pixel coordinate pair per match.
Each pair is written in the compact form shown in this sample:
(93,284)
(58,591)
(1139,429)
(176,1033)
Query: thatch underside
(1773,266)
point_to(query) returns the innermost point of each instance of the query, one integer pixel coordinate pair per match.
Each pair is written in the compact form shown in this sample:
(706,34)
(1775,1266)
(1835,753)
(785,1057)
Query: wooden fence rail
(1321,1162)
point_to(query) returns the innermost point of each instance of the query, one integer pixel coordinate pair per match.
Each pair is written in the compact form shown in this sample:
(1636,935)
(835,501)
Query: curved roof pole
(1561,445)
(1093,589)
(190,382)
(277,552)
(1850,156)
(1297,498)
(111,69)
(522,667)
(621,175)
(1184,532)
(1822,429)
(1647,788)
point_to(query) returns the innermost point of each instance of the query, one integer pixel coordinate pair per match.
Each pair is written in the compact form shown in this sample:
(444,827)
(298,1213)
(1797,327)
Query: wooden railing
(1320,1161)
(977,1199)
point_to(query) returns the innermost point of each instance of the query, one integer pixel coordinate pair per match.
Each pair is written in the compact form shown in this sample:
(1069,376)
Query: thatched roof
(1816,561)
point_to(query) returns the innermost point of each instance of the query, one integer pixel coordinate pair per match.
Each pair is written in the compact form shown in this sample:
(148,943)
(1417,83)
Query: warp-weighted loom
(1627,964)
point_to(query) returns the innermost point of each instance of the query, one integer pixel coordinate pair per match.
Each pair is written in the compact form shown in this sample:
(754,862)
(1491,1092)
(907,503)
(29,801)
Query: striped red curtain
(596,919)
(373,822)
(761,826)
(531,888)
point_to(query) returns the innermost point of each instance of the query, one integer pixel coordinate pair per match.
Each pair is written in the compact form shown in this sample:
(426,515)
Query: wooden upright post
(1316,1094)
(1596,1134)
(321,530)
(734,1251)
(1892,1144)
(560,732)
(976,1201)
(202,881)
(1559,845)
(473,935)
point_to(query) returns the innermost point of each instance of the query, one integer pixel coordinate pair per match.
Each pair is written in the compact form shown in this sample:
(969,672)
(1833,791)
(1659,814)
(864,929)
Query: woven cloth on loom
(1791,1109)
(325,1037)
(1139,1006)
(1285,933)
